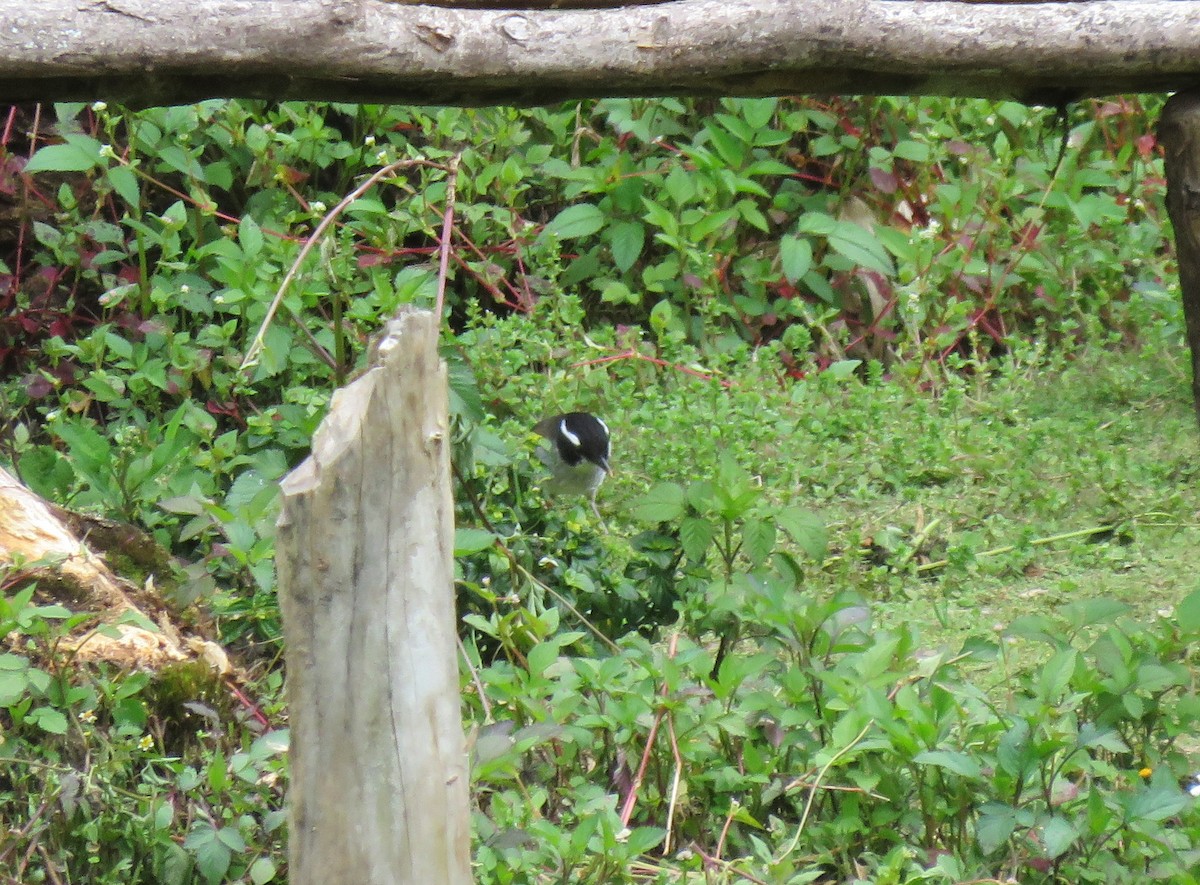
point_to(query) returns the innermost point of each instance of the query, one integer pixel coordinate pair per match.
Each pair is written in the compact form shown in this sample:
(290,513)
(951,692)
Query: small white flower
(106,151)
(317,206)
(369,141)
(99,106)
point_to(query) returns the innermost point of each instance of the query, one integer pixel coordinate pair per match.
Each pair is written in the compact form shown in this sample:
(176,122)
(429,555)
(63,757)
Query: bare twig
(631,799)
(447,230)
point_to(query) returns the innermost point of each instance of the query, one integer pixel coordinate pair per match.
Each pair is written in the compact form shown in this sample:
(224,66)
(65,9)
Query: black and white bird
(576,453)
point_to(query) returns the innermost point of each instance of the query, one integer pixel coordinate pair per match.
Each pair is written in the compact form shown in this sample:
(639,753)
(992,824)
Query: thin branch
(447,231)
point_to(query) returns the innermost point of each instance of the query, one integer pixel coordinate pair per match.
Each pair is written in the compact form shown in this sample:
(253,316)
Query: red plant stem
(631,799)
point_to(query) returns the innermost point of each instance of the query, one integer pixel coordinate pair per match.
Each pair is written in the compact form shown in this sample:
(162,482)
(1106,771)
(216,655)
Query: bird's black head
(578,437)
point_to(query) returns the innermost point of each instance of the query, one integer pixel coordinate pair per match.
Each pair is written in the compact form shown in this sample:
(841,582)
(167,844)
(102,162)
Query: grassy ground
(919,488)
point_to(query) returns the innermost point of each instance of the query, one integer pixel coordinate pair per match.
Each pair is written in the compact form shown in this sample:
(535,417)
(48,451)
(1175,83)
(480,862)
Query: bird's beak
(607,469)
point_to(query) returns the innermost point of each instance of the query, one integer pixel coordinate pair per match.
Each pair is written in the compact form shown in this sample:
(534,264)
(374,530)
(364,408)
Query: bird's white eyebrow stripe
(605,426)
(571,438)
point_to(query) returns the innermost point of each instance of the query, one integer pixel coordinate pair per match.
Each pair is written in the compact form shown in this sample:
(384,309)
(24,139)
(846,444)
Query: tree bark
(171,51)
(365,547)
(1179,133)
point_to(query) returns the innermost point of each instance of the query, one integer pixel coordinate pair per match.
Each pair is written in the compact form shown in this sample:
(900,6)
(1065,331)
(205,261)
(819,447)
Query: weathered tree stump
(1179,134)
(365,557)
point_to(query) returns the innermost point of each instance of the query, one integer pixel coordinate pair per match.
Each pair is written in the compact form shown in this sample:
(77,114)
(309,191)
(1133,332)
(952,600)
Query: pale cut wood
(151,52)
(365,559)
(36,543)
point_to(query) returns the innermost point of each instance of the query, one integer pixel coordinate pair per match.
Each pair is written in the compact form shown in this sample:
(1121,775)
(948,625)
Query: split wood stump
(365,558)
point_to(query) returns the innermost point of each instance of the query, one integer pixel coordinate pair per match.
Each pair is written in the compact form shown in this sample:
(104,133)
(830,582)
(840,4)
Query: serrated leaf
(250,236)
(212,856)
(758,540)
(806,529)
(996,823)
(79,153)
(231,838)
(626,240)
(1091,736)
(795,257)
(580,220)
(125,183)
(951,760)
(1057,836)
(1089,612)
(1160,800)
(49,720)
(176,864)
(663,503)
(695,534)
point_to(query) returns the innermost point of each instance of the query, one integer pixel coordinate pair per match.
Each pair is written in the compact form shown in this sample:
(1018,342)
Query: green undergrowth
(972,609)
(895,577)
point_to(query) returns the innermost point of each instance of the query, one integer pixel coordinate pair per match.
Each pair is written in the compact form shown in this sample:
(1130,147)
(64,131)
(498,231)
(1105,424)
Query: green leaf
(13,687)
(49,720)
(212,855)
(616,292)
(231,839)
(176,866)
(758,540)
(580,220)
(542,656)
(80,153)
(695,534)
(642,839)
(806,529)
(912,150)
(663,503)
(125,183)
(626,240)
(1158,801)
(996,824)
(469,540)
(731,150)
(862,247)
(1088,612)
(951,760)
(250,237)
(262,871)
(758,112)
(843,369)
(795,257)
(1057,836)
(1187,613)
